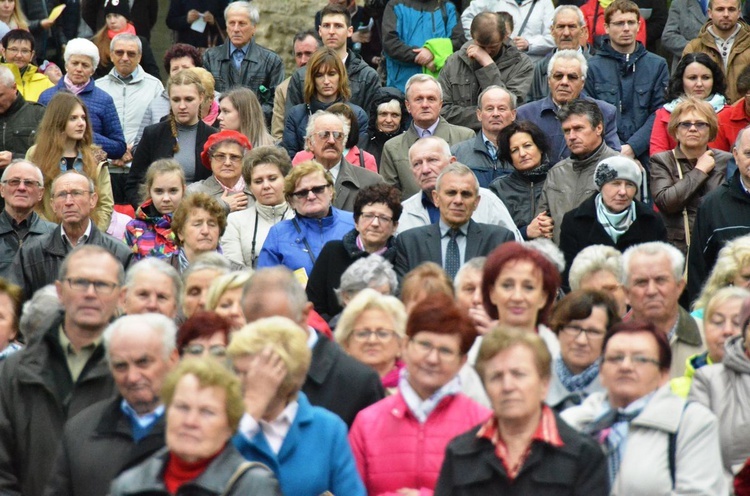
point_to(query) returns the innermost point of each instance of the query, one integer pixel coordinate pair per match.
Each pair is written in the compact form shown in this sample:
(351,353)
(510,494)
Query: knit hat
(117,7)
(217,138)
(614,168)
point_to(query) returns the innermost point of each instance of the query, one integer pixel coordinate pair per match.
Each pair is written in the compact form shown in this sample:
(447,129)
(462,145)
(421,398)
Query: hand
(482,322)
(261,382)
(424,56)
(5,158)
(431,66)
(209,17)
(46,23)
(362,37)
(521,43)
(237,201)
(100,155)
(117,163)
(479,54)
(193,16)
(627,151)
(706,162)
(541,227)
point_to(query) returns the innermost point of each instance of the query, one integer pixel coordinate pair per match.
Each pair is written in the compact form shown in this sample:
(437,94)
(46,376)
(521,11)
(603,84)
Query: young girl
(150,233)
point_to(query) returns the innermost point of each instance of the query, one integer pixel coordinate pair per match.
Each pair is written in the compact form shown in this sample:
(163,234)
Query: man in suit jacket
(455,238)
(326,141)
(335,380)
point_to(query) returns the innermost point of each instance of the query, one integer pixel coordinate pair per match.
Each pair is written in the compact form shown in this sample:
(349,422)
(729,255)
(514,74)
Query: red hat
(217,138)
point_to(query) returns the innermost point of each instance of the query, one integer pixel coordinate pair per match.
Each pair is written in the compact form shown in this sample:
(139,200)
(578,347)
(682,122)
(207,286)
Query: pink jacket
(352,157)
(393,450)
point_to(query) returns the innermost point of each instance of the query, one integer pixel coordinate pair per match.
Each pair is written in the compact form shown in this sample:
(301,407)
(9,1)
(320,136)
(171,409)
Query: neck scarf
(538,173)
(717,102)
(129,29)
(614,224)
(421,409)
(575,383)
(239,187)
(213,113)
(74,88)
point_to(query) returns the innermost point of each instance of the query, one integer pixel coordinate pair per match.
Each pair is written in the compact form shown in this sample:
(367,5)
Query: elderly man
(132,90)
(240,61)
(22,188)
(456,238)
(653,284)
(117,433)
(58,374)
(424,98)
(335,29)
(723,215)
(18,52)
(489,60)
(571,180)
(152,286)
(567,75)
(326,135)
(335,381)
(726,39)
(18,118)
(496,108)
(429,157)
(304,44)
(626,75)
(73,200)
(570,32)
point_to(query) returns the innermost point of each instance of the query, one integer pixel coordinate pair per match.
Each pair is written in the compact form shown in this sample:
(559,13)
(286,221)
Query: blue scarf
(575,383)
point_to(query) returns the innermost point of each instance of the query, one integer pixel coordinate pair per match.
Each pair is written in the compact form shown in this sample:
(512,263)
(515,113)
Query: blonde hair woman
(225,297)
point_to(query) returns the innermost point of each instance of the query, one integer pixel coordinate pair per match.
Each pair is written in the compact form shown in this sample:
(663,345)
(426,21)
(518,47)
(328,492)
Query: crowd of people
(464,248)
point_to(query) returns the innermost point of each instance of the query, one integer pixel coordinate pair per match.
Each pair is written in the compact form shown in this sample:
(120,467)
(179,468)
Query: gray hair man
(19,119)
(116,433)
(152,286)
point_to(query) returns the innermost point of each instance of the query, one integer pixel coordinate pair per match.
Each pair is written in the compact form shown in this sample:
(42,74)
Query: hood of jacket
(735,358)
(384,95)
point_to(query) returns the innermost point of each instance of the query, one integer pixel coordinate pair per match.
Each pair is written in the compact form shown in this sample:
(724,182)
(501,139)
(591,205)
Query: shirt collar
(82,239)
(445,228)
(431,129)
(244,49)
(67,346)
(142,420)
(312,337)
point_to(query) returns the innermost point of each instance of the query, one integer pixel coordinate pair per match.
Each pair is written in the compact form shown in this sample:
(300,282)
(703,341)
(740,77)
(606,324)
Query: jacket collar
(55,244)
(34,223)
(687,330)
(350,245)
(138,76)
(324,356)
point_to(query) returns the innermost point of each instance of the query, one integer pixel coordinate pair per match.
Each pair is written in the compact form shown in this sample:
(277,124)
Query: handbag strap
(526,21)
(685,218)
(244,467)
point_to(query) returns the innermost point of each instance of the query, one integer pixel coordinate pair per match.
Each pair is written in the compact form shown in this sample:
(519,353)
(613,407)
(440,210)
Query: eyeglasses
(75,193)
(622,24)
(22,51)
(370,217)
(27,183)
(216,350)
(326,135)
(425,348)
(304,193)
(559,76)
(574,331)
(131,54)
(222,157)
(636,360)
(100,287)
(380,334)
(699,125)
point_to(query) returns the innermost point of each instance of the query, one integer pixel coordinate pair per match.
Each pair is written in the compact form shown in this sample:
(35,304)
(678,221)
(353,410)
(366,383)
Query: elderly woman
(204,334)
(377,209)
(599,267)
(223,154)
(656,442)
(399,442)
(304,445)
(519,286)
(612,216)
(203,409)
(721,321)
(263,170)
(523,448)
(580,320)
(198,277)
(372,271)
(296,243)
(81,59)
(732,268)
(225,297)
(681,177)
(388,118)
(372,330)
(525,146)
(10,312)
(198,224)
(723,388)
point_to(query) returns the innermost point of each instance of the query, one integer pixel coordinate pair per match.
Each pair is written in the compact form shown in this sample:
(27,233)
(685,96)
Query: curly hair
(195,201)
(181,50)
(378,193)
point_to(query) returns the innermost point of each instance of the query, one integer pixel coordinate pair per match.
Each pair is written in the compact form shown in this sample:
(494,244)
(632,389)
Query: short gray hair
(422,78)
(126,37)
(322,113)
(6,172)
(568,55)
(474,264)
(550,250)
(244,7)
(274,279)
(6,77)
(367,272)
(445,148)
(458,169)
(92,186)
(738,139)
(513,98)
(82,46)
(207,261)
(155,322)
(578,12)
(593,259)
(151,265)
(653,248)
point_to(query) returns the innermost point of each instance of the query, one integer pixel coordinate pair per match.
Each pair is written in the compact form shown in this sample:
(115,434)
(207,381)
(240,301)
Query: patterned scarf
(579,382)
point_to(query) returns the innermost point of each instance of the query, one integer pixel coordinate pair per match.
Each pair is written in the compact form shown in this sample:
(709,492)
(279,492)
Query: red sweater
(731,121)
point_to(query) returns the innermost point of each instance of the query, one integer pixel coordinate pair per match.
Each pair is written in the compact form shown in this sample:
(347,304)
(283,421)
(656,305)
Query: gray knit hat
(614,168)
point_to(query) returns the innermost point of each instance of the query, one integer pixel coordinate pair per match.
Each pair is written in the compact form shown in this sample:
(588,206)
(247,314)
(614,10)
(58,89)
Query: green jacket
(681,385)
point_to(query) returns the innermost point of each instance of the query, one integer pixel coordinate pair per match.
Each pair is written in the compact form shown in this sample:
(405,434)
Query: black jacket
(18,126)
(143,16)
(520,195)
(339,383)
(471,468)
(177,21)
(378,138)
(37,263)
(10,242)
(335,257)
(157,142)
(97,445)
(580,228)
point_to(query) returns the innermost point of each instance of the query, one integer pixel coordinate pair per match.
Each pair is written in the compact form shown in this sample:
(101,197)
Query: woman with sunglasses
(296,243)
(681,177)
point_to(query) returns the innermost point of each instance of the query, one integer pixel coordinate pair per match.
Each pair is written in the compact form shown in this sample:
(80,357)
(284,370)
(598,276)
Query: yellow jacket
(32,83)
